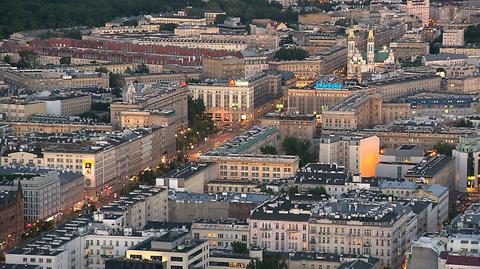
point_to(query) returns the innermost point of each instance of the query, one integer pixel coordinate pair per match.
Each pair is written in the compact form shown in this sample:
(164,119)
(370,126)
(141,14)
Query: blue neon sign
(321,85)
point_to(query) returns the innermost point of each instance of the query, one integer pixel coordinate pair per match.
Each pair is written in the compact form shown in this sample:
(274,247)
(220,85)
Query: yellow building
(12,110)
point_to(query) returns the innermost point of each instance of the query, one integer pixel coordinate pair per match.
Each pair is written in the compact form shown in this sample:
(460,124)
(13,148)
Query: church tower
(351,43)
(371,49)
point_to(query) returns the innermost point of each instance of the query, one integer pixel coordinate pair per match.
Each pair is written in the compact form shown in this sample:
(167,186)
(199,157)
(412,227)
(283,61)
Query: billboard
(88,172)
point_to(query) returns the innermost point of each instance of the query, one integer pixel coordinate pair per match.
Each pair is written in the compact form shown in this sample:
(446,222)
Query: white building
(467,164)
(453,37)
(359,154)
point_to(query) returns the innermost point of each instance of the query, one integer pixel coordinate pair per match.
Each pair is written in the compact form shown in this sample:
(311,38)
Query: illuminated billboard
(322,85)
(88,172)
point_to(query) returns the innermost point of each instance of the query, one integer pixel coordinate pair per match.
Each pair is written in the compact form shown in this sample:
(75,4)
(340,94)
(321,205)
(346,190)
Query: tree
(409,63)
(65,60)
(219,19)
(89,115)
(7,59)
(142,69)
(444,148)
(300,148)
(268,149)
(101,69)
(270,261)
(289,54)
(98,106)
(472,34)
(115,81)
(168,27)
(463,123)
(318,192)
(28,59)
(239,247)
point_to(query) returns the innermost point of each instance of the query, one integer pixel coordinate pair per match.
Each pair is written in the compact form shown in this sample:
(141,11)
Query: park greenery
(444,148)
(268,149)
(25,15)
(270,261)
(200,126)
(290,54)
(472,34)
(300,148)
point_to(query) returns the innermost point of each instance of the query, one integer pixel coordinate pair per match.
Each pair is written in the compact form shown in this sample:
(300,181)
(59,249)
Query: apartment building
(221,234)
(250,142)
(105,160)
(225,185)
(237,100)
(466,84)
(174,249)
(11,110)
(39,80)
(195,43)
(102,245)
(11,217)
(316,97)
(300,126)
(54,124)
(162,96)
(467,164)
(419,9)
(135,118)
(278,225)
(147,203)
(163,77)
(59,248)
(260,168)
(68,105)
(392,136)
(358,111)
(192,177)
(371,229)
(225,67)
(359,154)
(311,68)
(46,192)
(453,37)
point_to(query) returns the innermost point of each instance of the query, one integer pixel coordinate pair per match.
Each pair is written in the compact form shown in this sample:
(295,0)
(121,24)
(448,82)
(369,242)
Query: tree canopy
(270,150)
(444,148)
(300,148)
(472,34)
(289,54)
(43,14)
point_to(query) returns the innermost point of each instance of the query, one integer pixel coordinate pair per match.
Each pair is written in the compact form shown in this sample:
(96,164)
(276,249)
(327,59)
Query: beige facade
(395,111)
(158,77)
(394,88)
(21,128)
(39,80)
(227,45)
(226,67)
(221,233)
(358,154)
(74,105)
(453,37)
(238,186)
(354,113)
(190,31)
(262,168)
(310,68)
(236,100)
(313,101)
(470,51)
(467,85)
(11,111)
(302,127)
(131,119)
(380,239)
(407,50)
(22,159)
(173,100)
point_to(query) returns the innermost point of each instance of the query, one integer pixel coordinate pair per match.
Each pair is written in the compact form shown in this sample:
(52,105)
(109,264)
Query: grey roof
(398,185)
(445,56)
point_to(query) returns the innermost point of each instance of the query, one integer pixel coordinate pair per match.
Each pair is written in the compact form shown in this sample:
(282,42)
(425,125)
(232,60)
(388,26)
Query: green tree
(101,69)
(7,59)
(300,148)
(444,148)
(268,149)
(65,60)
(463,123)
(239,247)
(89,115)
(98,106)
(289,54)
(270,261)
(472,34)
(318,192)
(28,59)
(115,81)
(142,69)
(168,27)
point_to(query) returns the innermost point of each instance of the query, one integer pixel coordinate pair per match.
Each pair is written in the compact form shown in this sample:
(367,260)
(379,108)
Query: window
(177,259)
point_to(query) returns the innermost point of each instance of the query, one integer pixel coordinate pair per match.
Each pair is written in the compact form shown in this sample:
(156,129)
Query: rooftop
(429,166)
